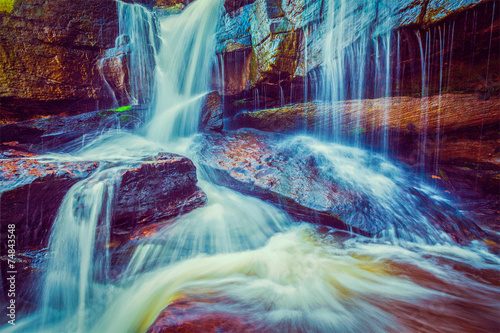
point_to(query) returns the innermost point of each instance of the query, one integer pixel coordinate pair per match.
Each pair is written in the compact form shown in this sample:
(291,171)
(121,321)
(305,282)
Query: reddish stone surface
(156,189)
(211,113)
(196,315)
(246,162)
(295,179)
(32,193)
(160,188)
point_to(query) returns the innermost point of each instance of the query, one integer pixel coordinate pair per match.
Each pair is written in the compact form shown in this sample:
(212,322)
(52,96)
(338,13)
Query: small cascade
(137,23)
(184,63)
(230,222)
(357,54)
(127,69)
(79,260)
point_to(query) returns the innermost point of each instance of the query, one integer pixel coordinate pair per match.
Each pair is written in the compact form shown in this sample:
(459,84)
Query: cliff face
(48,56)
(273,51)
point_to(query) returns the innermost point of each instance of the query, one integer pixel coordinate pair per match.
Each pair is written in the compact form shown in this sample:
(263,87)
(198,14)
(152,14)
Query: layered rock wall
(48,55)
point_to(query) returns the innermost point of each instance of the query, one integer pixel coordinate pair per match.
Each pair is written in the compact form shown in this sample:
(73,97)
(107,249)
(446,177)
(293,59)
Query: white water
(184,65)
(355,30)
(276,274)
(79,256)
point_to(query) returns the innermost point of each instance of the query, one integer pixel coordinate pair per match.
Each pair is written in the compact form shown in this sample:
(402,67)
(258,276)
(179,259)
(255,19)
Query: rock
(58,133)
(211,113)
(232,5)
(427,12)
(273,51)
(157,189)
(114,69)
(448,112)
(49,52)
(468,126)
(32,191)
(199,315)
(153,190)
(315,182)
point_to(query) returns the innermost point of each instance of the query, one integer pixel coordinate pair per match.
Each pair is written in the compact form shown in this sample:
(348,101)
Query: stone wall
(48,56)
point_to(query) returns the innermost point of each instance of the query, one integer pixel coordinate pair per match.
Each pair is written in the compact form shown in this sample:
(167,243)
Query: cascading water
(79,257)
(184,63)
(133,55)
(242,261)
(356,53)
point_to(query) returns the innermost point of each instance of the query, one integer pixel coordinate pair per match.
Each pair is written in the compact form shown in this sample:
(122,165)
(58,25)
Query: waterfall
(184,64)
(356,56)
(78,251)
(247,260)
(138,29)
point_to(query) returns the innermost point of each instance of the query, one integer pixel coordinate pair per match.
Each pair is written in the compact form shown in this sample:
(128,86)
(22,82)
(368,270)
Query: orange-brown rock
(448,113)
(48,56)
(32,191)
(150,191)
(195,314)
(114,70)
(211,113)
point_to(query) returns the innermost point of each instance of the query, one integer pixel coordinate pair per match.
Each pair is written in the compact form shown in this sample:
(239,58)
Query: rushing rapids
(239,263)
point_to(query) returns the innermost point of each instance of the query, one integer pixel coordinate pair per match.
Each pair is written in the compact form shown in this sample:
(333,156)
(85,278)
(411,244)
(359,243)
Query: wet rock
(211,113)
(467,125)
(232,5)
(427,12)
(49,52)
(32,191)
(66,133)
(448,112)
(157,189)
(273,51)
(153,190)
(301,176)
(199,315)
(114,69)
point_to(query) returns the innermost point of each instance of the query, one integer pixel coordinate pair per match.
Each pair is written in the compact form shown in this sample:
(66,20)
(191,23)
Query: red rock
(211,113)
(32,191)
(154,190)
(308,186)
(197,315)
(158,189)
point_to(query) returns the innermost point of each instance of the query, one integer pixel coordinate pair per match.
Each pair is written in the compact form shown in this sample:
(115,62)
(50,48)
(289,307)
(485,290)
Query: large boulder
(48,56)
(152,190)
(158,188)
(335,185)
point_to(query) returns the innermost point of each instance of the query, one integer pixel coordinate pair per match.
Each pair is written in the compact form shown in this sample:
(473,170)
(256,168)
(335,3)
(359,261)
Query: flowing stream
(239,264)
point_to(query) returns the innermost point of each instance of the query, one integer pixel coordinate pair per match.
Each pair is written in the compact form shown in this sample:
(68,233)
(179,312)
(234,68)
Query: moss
(121,109)
(7,6)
